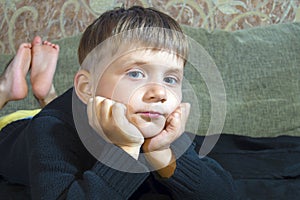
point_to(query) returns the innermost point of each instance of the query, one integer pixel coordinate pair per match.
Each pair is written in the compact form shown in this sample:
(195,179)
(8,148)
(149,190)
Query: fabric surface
(20,114)
(263,168)
(260,68)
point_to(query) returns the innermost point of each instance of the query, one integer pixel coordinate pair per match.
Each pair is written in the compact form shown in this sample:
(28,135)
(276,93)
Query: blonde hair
(146,27)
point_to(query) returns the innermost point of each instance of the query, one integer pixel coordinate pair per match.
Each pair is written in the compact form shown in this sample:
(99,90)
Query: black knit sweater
(45,158)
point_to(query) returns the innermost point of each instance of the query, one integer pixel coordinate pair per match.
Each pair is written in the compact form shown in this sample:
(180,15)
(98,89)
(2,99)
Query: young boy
(116,136)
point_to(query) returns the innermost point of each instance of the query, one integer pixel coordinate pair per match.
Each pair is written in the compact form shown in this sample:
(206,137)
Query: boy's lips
(150,114)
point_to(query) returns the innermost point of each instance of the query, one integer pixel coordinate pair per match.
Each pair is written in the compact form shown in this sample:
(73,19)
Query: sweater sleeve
(199,178)
(56,169)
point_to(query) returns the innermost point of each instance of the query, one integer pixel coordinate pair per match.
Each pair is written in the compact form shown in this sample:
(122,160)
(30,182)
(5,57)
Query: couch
(260,70)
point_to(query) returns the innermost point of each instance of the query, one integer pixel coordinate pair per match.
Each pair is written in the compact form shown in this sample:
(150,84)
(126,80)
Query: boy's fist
(175,126)
(109,119)
(157,149)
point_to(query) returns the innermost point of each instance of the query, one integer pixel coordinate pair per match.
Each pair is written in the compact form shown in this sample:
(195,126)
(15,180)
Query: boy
(126,110)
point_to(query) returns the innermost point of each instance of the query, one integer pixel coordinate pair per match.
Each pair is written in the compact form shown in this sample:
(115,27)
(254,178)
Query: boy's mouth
(147,115)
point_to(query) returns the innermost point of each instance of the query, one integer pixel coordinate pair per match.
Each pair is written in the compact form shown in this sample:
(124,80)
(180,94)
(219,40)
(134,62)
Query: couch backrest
(260,69)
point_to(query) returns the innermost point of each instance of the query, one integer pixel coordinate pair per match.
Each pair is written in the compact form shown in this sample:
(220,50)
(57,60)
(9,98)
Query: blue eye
(135,74)
(170,80)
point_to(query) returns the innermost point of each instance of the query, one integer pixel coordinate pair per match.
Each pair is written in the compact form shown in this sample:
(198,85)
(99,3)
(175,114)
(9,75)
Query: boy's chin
(151,130)
(148,128)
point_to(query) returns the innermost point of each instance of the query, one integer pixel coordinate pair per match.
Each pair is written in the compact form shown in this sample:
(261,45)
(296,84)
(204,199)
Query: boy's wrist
(163,161)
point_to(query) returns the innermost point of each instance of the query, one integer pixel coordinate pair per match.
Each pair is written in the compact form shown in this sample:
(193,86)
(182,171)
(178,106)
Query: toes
(37,40)
(25,45)
(55,46)
(46,42)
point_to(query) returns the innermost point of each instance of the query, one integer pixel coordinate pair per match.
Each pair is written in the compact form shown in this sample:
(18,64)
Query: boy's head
(134,56)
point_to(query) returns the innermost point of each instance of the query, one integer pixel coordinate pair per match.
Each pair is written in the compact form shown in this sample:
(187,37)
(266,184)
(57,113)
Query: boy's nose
(155,93)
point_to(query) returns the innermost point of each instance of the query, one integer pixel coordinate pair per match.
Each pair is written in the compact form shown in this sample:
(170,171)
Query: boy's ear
(83,85)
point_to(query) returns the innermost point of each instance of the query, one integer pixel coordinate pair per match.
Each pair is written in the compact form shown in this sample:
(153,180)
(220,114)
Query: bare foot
(51,96)
(43,66)
(13,84)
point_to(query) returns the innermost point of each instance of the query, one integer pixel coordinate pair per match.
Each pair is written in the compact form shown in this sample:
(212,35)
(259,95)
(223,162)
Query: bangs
(152,38)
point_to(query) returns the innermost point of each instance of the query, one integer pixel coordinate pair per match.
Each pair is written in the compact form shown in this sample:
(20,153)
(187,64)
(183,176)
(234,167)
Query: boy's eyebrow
(134,62)
(140,63)
(177,71)
(171,70)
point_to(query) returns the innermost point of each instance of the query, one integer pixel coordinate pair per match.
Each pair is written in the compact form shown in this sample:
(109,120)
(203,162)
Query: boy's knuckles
(99,98)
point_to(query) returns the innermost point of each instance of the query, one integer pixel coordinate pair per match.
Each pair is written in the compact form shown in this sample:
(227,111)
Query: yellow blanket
(20,114)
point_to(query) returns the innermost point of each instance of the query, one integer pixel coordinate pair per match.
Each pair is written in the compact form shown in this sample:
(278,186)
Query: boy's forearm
(82,176)
(205,178)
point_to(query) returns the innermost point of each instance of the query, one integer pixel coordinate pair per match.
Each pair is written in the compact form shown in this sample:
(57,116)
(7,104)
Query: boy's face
(149,83)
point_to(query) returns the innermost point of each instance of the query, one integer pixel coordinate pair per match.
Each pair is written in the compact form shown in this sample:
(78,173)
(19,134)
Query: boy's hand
(111,119)
(175,126)
(157,149)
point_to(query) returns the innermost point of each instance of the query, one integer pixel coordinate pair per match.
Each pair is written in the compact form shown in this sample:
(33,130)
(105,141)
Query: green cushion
(260,68)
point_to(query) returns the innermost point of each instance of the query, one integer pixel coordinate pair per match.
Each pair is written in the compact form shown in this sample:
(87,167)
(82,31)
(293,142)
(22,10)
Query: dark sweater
(45,158)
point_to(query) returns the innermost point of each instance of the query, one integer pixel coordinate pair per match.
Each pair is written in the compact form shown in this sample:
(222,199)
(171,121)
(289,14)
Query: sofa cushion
(260,69)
